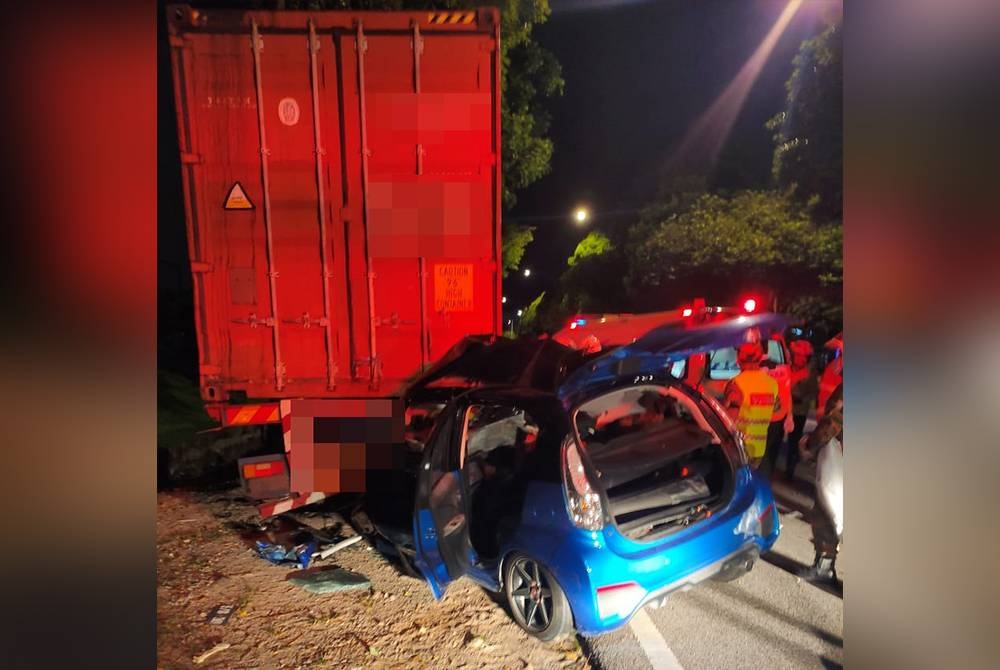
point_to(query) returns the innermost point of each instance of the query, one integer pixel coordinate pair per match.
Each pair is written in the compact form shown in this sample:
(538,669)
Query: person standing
(781,423)
(826,444)
(753,400)
(805,390)
(833,374)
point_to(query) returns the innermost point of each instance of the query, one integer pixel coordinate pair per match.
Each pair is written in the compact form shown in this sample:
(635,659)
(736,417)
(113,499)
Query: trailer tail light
(582,502)
(264,469)
(618,599)
(264,476)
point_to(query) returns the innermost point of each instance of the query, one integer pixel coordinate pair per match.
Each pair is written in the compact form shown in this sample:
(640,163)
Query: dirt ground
(203,562)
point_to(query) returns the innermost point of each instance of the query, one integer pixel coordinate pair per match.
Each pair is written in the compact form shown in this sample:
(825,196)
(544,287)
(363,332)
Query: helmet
(749,352)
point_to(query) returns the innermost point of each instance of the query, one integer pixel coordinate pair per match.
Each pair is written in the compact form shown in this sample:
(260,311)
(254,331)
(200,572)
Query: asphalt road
(768,618)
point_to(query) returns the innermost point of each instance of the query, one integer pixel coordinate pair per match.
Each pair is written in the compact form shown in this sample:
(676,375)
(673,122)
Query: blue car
(584,488)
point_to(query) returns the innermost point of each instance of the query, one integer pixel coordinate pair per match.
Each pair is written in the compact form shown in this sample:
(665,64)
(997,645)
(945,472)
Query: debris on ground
(201,658)
(394,624)
(329,580)
(297,541)
(220,615)
(343,544)
(300,554)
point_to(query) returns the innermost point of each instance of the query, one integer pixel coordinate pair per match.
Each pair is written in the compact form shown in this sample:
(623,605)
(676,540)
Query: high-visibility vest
(759,393)
(783,375)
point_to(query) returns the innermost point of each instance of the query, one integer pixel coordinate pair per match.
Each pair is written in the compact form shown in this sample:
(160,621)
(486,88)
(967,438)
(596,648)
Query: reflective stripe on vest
(759,392)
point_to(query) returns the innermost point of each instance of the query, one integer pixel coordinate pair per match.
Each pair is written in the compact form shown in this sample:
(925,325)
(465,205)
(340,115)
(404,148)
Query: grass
(180,412)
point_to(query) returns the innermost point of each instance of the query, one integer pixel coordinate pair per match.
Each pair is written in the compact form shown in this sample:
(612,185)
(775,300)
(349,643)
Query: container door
(440,520)
(263,130)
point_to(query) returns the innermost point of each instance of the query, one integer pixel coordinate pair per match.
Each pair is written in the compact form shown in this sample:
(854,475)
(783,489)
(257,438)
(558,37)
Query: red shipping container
(341,174)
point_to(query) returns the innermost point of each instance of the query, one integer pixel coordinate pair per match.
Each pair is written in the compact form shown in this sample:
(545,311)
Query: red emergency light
(749,305)
(687,312)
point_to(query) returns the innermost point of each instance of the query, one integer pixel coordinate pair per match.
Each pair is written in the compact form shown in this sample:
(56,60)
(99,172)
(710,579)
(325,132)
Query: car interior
(498,447)
(658,459)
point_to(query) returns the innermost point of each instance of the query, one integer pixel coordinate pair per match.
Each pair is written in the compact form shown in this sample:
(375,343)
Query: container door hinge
(201,267)
(188,158)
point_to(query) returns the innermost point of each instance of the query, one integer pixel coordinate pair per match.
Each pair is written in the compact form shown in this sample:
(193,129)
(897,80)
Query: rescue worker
(781,423)
(825,518)
(805,389)
(753,400)
(833,374)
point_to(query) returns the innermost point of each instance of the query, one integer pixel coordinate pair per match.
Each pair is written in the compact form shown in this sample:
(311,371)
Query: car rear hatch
(664,456)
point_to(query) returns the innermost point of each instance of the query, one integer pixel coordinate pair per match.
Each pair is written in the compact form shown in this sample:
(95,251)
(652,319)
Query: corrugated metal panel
(378,229)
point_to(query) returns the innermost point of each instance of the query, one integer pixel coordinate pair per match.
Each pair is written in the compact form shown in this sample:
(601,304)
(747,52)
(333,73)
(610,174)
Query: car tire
(406,563)
(536,602)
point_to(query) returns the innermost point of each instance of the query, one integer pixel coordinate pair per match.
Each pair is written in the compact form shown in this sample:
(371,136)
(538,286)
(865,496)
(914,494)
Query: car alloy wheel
(535,600)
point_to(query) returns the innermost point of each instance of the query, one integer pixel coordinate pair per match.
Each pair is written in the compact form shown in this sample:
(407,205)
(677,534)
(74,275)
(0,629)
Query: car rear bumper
(590,566)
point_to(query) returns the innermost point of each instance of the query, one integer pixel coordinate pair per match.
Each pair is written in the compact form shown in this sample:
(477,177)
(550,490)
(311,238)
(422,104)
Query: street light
(520,312)
(527,272)
(581,214)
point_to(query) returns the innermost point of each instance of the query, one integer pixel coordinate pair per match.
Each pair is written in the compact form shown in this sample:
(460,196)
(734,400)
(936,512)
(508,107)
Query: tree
(720,247)
(515,239)
(594,244)
(529,319)
(808,134)
(592,281)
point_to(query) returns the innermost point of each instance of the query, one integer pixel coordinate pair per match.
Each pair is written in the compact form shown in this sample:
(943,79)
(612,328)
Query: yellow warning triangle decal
(237,198)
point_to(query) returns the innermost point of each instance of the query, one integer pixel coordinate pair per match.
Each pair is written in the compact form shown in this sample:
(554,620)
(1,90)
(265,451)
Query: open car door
(440,519)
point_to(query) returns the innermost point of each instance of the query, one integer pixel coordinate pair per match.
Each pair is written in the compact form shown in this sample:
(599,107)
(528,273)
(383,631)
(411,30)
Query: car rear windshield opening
(660,462)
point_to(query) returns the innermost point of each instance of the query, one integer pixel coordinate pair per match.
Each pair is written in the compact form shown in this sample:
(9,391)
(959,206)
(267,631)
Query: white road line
(659,653)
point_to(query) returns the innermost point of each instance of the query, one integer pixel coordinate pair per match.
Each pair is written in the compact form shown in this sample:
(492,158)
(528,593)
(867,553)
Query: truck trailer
(341,177)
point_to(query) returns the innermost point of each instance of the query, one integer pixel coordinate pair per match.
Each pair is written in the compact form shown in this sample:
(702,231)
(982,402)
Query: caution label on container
(453,287)
(237,198)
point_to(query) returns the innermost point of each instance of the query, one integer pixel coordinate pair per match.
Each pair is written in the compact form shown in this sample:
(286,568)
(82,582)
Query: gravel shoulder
(203,562)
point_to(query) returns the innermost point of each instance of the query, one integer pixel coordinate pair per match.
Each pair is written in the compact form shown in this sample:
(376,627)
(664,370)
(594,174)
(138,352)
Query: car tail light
(618,599)
(582,501)
(766,520)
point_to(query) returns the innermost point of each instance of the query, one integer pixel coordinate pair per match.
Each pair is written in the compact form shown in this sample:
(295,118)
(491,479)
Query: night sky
(638,74)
